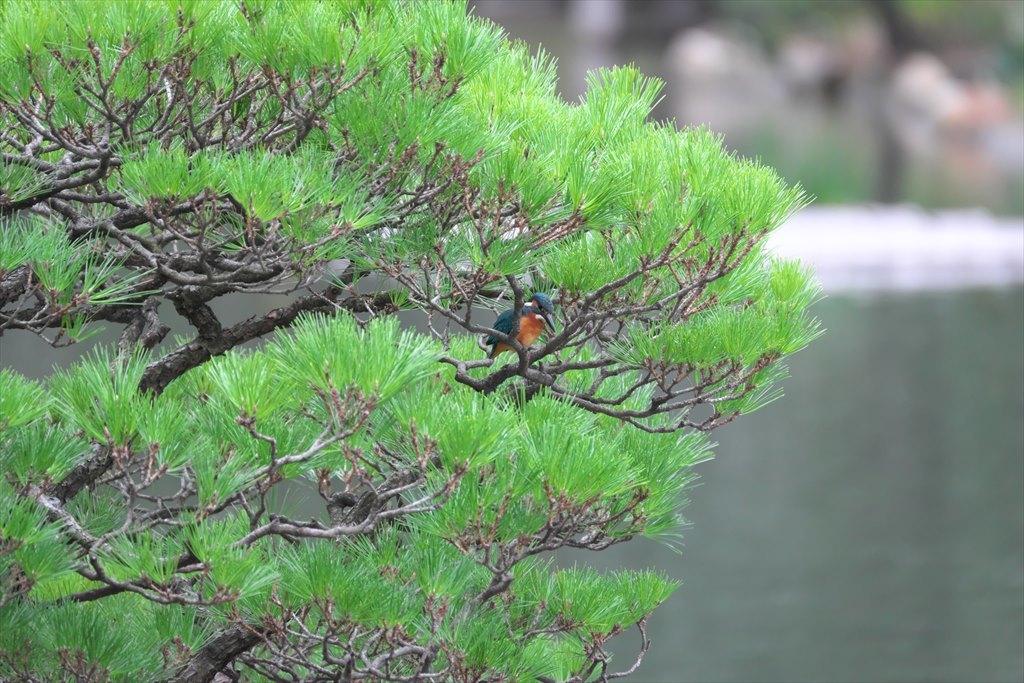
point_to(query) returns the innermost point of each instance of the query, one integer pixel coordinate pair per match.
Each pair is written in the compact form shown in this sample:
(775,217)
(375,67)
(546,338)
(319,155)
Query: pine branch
(218,653)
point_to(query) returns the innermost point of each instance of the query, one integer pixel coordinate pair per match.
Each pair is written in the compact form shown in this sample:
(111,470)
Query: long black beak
(549,319)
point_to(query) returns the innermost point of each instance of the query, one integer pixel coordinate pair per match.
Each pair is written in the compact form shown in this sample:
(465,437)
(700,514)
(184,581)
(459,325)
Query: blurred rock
(826,64)
(970,124)
(924,92)
(503,10)
(597,20)
(720,78)
(824,107)
(809,63)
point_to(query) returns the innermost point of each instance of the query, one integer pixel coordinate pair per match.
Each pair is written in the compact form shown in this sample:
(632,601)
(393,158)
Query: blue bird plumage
(543,301)
(537,313)
(502,324)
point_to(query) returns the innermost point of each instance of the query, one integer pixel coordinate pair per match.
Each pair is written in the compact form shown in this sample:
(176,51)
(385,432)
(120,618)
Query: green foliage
(100,396)
(321,352)
(156,172)
(39,452)
(121,637)
(22,400)
(31,550)
(549,449)
(583,596)
(69,273)
(354,490)
(558,451)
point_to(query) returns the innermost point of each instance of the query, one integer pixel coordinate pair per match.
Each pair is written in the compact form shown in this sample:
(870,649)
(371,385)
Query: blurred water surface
(869,526)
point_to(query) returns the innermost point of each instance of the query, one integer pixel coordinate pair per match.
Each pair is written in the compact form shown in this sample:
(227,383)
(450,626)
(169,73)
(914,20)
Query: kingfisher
(538,312)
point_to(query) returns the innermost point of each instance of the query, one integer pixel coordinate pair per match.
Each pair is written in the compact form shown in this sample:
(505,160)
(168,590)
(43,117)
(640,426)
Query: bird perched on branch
(537,313)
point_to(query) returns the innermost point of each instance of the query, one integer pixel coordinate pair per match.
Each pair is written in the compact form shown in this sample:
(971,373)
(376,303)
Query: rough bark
(217,654)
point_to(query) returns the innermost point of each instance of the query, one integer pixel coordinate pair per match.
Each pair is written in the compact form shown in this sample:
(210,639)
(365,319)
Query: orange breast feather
(530,327)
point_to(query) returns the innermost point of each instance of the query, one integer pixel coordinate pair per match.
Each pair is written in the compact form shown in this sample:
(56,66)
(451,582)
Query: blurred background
(870,525)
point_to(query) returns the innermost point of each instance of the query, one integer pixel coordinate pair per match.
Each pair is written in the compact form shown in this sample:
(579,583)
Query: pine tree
(363,495)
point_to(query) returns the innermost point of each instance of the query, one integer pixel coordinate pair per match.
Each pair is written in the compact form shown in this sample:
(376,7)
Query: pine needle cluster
(364,496)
